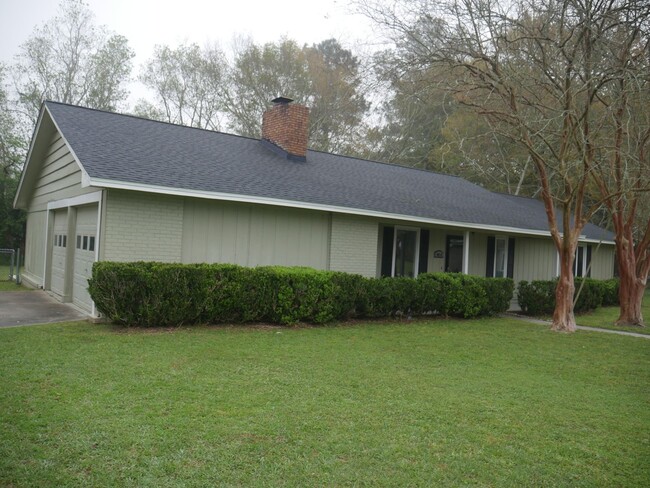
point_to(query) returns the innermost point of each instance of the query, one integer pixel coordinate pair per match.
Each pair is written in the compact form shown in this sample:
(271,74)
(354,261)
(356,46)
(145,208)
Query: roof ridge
(211,131)
(145,119)
(517,196)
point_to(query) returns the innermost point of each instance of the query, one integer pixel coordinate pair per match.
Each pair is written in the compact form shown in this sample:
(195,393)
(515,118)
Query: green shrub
(610,292)
(458,295)
(538,297)
(589,294)
(499,292)
(161,294)
(387,297)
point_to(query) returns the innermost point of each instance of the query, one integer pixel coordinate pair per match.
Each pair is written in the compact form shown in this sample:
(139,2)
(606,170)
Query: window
(500,257)
(580,262)
(405,252)
(60,240)
(454,254)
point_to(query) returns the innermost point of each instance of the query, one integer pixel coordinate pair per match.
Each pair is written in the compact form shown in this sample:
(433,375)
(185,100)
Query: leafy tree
(12,150)
(188,86)
(537,71)
(323,76)
(69,59)
(260,73)
(413,113)
(337,100)
(470,148)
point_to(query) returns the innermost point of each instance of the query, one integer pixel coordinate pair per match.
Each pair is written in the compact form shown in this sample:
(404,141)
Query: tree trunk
(633,277)
(631,295)
(563,317)
(632,288)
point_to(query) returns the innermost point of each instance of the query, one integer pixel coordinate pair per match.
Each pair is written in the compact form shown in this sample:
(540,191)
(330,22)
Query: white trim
(416,263)
(234,197)
(466,252)
(595,241)
(46,242)
(94,197)
(93,310)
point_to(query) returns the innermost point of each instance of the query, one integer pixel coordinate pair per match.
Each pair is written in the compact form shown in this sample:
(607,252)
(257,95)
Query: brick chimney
(285,125)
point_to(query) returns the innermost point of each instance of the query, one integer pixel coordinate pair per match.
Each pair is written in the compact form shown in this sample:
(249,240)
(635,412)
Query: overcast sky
(146,23)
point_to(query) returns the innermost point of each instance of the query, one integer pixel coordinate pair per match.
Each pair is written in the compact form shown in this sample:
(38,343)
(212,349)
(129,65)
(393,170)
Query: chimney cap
(282,100)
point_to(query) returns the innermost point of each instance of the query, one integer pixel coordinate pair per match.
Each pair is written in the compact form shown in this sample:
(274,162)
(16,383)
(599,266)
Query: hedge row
(538,297)
(159,294)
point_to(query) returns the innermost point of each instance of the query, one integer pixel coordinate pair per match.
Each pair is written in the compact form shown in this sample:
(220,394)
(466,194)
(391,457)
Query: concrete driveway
(34,307)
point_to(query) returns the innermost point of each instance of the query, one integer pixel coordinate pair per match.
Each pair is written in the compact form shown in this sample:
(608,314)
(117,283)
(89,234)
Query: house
(104,186)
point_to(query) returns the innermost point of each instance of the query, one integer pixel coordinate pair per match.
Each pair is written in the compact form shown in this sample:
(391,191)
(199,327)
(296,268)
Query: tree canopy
(70,59)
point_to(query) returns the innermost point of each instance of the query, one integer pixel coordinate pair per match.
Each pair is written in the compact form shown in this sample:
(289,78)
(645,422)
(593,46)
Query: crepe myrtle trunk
(632,284)
(563,318)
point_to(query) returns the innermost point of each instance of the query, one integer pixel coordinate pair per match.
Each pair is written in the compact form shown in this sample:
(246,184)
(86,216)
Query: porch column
(466,253)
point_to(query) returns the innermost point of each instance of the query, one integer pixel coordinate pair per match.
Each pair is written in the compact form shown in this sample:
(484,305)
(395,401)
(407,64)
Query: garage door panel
(85,242)
(59,249)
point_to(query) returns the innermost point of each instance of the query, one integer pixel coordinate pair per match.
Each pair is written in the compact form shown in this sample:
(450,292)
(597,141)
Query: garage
(85,243)
(59,251)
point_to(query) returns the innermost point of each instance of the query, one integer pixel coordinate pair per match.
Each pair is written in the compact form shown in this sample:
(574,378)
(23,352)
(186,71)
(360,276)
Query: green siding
(477,253)
(535,259)
(602,261)
(59,176)
(253,235)
(35,248)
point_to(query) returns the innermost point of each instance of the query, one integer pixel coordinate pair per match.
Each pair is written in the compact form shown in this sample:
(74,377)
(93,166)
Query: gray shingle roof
(123,148)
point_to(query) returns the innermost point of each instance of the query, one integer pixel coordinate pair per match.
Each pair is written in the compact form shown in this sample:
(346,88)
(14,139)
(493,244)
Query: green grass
(604,317)
(5,284)
(490,402)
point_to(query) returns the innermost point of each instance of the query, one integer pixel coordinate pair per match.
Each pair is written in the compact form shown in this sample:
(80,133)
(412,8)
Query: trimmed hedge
(161,294)
(538,297)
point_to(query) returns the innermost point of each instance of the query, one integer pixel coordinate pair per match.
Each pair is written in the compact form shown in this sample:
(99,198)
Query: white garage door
(59,245)
(85,243)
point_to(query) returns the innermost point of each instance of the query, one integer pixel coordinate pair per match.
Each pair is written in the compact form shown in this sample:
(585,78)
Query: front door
(454,254)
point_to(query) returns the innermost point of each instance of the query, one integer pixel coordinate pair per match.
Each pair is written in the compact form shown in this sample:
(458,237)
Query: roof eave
(21,199)
(234,197)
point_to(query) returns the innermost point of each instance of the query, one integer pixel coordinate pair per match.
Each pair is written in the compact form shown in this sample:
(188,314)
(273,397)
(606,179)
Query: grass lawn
(605,317)
(5,284)
(490,402)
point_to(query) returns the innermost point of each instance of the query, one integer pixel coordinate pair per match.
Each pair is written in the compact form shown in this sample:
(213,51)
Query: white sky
(146,23)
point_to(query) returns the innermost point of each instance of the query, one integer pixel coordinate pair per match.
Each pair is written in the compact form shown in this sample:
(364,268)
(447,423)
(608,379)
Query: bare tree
(622,172)
(536,70)
(71,60)
(188,85)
